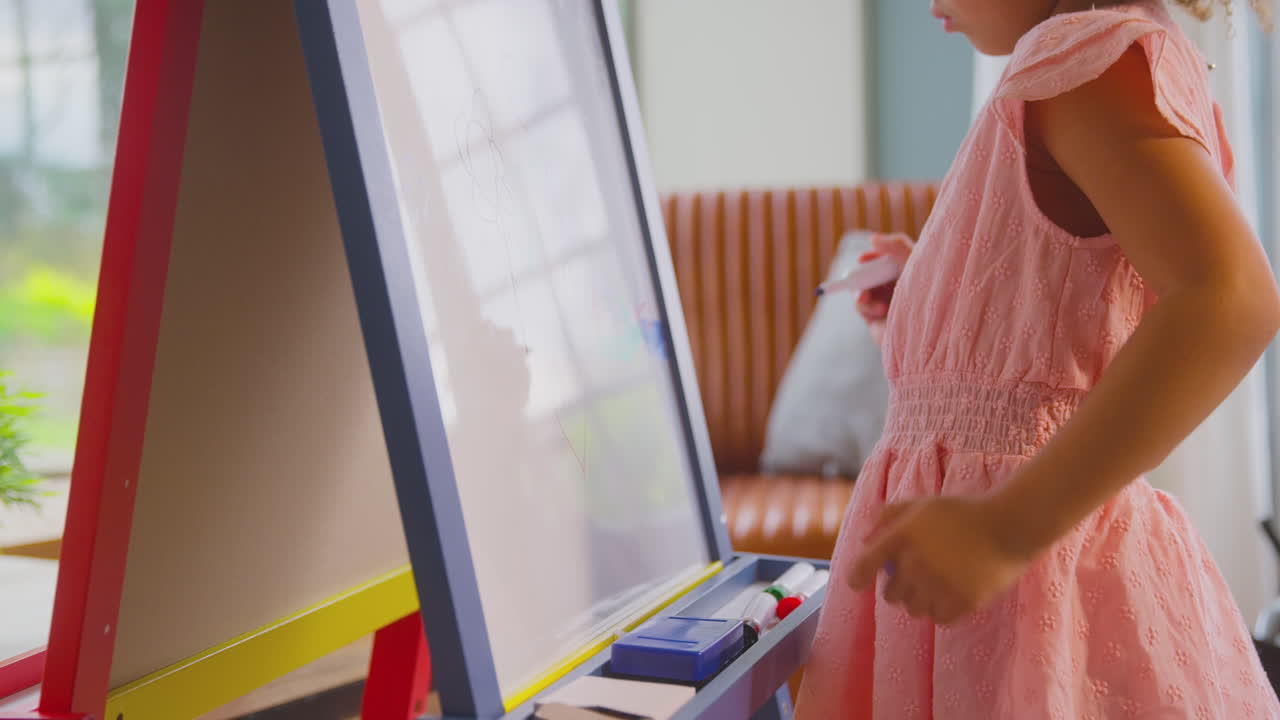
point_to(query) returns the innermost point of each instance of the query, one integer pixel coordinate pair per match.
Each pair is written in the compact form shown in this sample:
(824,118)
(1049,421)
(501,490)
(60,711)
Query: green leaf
(18,485)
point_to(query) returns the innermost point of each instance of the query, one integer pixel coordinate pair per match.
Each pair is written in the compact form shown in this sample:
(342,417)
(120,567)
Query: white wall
(986,74)
(751,93)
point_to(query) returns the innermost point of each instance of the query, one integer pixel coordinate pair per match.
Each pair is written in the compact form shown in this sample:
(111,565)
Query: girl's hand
(946,557)
(873,304)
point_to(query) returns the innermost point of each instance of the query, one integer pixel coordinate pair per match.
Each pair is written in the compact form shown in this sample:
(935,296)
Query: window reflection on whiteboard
(546,342)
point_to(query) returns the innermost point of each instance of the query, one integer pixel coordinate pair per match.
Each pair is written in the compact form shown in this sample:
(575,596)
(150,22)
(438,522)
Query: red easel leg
(399,672)
(21,672)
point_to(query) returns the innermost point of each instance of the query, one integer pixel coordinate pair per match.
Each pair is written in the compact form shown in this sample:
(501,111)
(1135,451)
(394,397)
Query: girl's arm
(1176,219)
(1165,201)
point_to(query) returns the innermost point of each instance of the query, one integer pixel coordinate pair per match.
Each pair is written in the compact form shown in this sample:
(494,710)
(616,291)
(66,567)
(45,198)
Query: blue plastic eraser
(683,649)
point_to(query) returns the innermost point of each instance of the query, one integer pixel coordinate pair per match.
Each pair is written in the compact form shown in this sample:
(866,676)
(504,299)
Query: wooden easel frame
(74,670)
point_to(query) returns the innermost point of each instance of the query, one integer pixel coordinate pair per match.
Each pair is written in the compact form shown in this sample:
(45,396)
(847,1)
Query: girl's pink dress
(1000,324)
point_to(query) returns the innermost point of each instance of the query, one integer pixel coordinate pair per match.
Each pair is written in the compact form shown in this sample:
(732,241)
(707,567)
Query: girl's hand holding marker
(873,281)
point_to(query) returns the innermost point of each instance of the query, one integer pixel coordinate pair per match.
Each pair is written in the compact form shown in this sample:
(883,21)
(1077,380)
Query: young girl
(1085,293)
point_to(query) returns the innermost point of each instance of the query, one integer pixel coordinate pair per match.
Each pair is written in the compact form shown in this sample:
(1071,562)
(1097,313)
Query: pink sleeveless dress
(1001,323)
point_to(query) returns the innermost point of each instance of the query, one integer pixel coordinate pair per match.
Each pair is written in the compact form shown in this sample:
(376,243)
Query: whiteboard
(550,355)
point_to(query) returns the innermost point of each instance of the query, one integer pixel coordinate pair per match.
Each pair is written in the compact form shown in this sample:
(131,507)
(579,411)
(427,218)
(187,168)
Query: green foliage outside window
(59,116)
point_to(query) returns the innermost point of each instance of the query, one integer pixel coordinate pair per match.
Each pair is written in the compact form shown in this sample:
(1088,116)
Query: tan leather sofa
(747,264)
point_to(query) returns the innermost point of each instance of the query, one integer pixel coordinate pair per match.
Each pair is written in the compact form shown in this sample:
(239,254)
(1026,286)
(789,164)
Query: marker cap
(792,578)
(787,605)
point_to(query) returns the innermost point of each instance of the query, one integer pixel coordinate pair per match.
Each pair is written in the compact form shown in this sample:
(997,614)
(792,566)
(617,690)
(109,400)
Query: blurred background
(61,72)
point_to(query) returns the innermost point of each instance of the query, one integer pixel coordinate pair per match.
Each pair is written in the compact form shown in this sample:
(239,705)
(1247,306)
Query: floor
(27,583)
(25,526)
(26,594)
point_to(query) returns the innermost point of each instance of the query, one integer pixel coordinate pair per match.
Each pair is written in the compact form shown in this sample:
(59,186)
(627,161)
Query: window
(61,75)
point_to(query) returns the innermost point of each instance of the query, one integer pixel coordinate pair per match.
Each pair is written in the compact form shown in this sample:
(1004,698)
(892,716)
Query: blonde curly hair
(1204,9)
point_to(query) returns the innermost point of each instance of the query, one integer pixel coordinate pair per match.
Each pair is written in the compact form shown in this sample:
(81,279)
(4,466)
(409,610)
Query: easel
(347,45)
(232,515)
(217,127)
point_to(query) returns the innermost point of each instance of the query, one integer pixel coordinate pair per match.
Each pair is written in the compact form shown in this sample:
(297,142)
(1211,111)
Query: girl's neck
(1069,6)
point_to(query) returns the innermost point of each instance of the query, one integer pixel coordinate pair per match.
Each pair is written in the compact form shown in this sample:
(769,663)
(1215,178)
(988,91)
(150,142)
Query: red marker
(813,584)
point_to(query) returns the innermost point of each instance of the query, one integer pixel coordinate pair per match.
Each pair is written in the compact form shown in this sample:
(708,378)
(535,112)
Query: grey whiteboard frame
(430,506)
(697,436)
(399,360)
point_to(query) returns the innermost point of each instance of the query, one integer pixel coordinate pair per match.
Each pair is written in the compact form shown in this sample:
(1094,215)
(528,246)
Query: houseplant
(18,485)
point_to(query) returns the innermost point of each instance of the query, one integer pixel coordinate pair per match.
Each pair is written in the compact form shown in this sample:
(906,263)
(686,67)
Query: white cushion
(830,407)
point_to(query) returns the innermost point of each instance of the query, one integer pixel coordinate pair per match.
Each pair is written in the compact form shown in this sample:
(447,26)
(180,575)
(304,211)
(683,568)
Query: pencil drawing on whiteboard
(479,152)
